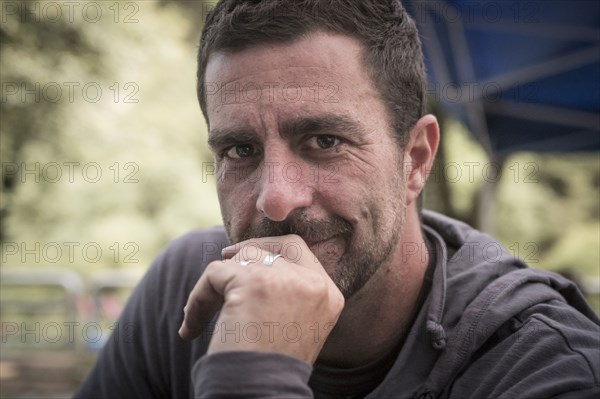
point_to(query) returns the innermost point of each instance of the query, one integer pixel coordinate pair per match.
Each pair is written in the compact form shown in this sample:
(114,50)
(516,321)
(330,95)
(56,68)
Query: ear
(419,154)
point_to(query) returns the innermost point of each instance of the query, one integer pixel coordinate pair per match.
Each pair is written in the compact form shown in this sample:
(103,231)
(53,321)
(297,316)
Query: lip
(315,243)
(326,248)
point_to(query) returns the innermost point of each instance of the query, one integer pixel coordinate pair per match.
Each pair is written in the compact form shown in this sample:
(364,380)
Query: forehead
(330,52)
(318,73)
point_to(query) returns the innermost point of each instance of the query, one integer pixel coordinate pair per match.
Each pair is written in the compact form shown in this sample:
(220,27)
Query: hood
(488,286)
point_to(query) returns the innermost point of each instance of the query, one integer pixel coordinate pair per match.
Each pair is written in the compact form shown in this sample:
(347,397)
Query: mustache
(311,230)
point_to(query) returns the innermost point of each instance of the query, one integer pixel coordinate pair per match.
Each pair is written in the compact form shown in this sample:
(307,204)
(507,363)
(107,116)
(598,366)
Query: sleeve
(122,369)
(237,374)
(551,351)
(145,357)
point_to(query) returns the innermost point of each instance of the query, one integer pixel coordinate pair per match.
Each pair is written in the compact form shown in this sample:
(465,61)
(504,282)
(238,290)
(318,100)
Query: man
(337,284)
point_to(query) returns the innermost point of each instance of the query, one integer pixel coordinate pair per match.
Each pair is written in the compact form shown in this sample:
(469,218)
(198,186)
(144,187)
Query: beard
(365,252)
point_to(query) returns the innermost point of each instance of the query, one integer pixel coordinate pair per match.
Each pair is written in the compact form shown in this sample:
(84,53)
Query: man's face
(303,145)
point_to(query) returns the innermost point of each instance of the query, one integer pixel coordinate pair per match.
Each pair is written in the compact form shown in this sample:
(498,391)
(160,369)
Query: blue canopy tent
(521,75)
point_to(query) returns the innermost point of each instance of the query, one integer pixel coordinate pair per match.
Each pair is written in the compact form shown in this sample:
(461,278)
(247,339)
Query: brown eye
(326,141)
(240,151)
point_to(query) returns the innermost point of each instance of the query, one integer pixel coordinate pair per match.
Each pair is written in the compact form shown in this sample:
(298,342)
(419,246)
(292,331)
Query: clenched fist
(285,304)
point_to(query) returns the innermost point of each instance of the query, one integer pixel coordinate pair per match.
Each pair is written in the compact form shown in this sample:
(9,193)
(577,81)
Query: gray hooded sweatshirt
(487,327)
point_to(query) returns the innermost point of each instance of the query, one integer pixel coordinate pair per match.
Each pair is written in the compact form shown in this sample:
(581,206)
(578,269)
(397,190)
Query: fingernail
(228,249)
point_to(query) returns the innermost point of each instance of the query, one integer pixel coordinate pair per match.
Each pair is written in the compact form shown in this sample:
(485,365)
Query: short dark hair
(392,49)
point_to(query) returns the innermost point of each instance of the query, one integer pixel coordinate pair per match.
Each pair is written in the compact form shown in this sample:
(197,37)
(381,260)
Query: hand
(289,307)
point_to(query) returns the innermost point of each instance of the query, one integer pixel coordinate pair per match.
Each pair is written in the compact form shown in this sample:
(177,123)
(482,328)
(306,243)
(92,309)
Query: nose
(284,187)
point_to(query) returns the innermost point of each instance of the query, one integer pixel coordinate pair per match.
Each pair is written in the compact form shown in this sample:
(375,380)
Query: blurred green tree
(102,137)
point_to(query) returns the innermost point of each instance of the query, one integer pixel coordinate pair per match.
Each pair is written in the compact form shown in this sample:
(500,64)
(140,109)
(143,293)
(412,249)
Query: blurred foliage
(144,133)
(558,210)
(547,208)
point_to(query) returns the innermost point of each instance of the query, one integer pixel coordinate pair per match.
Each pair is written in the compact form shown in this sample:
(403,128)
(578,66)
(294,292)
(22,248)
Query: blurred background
(104,158)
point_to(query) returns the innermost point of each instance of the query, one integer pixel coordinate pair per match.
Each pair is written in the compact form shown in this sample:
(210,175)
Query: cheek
(227,198)
(366,190)
(237,214)
(347,196)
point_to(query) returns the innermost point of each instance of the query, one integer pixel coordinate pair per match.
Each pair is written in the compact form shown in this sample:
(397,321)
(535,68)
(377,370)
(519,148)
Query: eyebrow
(219,138)
(322,124)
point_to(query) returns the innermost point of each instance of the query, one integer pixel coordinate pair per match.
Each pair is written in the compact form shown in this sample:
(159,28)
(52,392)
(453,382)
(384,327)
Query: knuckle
(263,287)
(292,238)
(211,267)
(316,286)
(234,299)
(259,279)
(338,302)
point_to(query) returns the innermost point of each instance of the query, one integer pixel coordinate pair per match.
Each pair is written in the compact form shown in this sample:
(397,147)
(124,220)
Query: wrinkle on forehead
(296,53)
(300,55)
(308,69)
